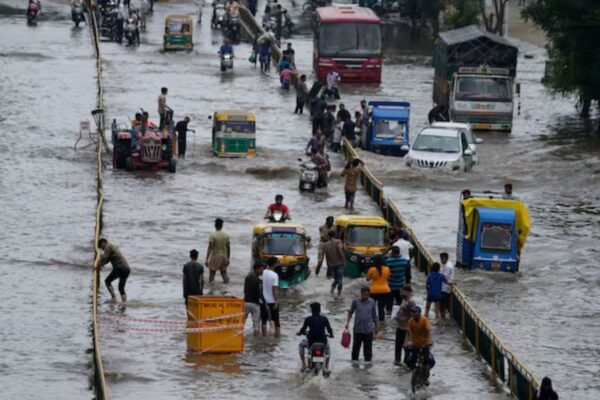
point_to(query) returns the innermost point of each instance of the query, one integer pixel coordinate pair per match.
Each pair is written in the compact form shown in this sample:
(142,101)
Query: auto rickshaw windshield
(284,244)
(367,236)
(390,129)
(496,237)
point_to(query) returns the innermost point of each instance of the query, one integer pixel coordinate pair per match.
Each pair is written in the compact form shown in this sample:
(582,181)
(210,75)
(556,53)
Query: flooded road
(544,313)
(47,196)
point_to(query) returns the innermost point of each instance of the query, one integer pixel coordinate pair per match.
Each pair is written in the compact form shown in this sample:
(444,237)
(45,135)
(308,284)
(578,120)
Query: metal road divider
(253,29)
(502,361)
(100,387)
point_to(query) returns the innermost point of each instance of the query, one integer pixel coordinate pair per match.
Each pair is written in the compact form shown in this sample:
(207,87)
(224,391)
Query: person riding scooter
(418,339)
(318,329)
(322,164)
(278,209)
(226,55)
(33,9)
(77,15)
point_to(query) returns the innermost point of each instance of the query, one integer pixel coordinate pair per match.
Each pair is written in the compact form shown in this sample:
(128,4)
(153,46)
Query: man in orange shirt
(418,338)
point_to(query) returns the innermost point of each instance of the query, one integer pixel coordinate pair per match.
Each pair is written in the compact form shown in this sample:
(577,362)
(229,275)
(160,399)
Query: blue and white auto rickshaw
(388,128)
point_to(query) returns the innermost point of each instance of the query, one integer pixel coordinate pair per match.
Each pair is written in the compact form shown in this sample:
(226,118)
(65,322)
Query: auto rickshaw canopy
(360,220)
(233,115)
(265,228)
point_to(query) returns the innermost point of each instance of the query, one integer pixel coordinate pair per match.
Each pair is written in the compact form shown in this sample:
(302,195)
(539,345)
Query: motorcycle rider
(278,206)
(226,48)
(333,78)
(77,8)
(135,20)
(418,337)
(322,165)
(318,329)
(34,7)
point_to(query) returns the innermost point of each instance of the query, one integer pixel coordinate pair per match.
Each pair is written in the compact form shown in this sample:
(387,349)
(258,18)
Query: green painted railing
(504,364)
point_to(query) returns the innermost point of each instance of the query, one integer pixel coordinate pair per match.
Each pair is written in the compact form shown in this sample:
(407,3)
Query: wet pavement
(156,218)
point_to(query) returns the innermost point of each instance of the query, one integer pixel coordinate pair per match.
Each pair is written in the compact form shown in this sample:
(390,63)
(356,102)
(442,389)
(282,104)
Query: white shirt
(270,279)
(448,272)
(404,246)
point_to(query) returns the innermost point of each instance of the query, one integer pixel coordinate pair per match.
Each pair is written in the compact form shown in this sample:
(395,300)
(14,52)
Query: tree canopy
(573,29)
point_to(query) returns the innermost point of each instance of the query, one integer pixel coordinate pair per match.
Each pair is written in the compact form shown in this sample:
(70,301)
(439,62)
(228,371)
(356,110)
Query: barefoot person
(218,253)
(112,254)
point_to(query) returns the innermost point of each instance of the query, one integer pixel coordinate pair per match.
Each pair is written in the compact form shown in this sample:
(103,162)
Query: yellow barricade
(220,323)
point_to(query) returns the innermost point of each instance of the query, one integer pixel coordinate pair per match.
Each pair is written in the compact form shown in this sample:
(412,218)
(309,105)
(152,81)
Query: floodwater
(544,313)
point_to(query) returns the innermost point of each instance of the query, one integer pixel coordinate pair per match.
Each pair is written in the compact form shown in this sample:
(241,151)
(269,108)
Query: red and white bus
(348,39)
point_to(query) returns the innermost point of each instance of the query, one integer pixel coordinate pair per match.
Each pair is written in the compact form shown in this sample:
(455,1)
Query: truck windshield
(437,144)
(385,129)
(373,236)
(284,244)
(471,88)
(496,237)
(349,39)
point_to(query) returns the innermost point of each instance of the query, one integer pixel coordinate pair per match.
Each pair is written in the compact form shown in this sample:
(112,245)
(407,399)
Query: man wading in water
(218,253)
(112,254)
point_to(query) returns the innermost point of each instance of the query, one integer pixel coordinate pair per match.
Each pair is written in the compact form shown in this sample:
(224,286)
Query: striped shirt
(400,272)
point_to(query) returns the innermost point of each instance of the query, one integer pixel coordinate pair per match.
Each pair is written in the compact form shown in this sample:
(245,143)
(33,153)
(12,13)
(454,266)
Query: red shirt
(282,208)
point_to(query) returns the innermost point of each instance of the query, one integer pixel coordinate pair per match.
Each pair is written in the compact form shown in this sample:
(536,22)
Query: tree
(573,30)
(494,22)
(430,9)
(462,13)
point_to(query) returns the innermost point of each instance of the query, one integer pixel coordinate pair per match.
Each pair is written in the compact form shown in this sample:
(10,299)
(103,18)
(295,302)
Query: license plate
(481,126)
(350,75)
(318,359)
(496,265)
(307,186)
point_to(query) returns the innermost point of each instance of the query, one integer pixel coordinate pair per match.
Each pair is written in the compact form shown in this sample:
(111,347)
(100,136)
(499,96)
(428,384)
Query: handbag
(346,338)
(252,58)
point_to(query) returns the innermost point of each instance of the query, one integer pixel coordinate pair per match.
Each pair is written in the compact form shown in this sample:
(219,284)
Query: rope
(119,327)
(166,322)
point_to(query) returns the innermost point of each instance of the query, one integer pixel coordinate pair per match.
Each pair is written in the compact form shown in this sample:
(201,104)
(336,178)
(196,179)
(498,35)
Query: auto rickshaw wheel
(172,165)
(129,164)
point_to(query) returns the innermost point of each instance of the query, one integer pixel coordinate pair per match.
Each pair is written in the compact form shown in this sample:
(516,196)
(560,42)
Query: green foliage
(431,9)
(462,13)
(573,29)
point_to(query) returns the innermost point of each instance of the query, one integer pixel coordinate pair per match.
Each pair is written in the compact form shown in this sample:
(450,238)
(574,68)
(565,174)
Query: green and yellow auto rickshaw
(364,237)
(234,134)
(287,242)
(179,33)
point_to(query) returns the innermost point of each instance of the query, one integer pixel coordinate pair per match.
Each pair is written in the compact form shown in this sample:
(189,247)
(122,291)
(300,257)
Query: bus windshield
(373,236)
(471,88)
(284,244)
(349,39)
(496,238)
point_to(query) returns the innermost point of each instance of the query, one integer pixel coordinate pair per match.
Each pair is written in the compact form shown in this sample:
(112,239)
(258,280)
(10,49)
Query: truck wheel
(172,165)
(129,164)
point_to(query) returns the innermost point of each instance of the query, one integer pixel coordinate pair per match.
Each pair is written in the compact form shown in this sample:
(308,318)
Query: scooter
(233,29)
(277,216)
(32,11)
(316,360)
(130,32)
(309,176)
(218,18)
(226,61)
(77,15)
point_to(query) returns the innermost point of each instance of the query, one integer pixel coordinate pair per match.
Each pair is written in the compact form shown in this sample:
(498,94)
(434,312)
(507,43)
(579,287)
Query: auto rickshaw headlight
(354,258)
(164,147)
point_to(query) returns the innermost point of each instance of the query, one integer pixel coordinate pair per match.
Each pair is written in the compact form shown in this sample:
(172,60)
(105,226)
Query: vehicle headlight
(454,165)
(298,267)
(354,258)
(408,160)
(164,147)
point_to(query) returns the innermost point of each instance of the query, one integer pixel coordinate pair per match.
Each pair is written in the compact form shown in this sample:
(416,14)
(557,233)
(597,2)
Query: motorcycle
(316,360)
(131,32)
(233,29)
(218,18)
(277,216)
(226,61)
(309,176)
(32,11)
(77,15)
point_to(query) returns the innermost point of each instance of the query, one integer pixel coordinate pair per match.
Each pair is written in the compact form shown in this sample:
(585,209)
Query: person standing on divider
(193,277)
(253,296)
(365,324)
(352,173)
(121,270)
(270,309)
(218,252)
(162,107)
(379,274)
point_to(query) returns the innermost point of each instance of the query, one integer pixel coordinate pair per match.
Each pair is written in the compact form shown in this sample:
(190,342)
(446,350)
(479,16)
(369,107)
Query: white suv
(471,138)
(441,148)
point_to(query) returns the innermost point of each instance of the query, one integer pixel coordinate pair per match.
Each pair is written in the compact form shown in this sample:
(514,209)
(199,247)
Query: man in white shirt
(269,310)
(508,192)
(447,269)
(404,245)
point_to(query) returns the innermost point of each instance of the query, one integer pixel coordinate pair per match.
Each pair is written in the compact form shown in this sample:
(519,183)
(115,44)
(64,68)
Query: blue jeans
(338,277)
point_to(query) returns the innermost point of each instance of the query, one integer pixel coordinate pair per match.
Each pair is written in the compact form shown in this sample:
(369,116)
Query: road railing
(503,362)
(254,30)
(100,386)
